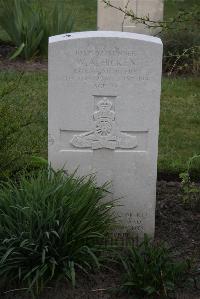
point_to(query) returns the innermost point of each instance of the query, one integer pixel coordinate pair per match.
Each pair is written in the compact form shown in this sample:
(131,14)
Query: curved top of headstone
(109,34)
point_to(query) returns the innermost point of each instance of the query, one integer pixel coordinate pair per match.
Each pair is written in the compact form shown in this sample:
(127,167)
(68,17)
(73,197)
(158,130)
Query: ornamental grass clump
(28,25)
(52,225)
(149,270)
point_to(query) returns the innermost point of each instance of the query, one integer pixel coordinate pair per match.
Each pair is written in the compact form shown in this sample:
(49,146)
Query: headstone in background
(109,18)
(104,103)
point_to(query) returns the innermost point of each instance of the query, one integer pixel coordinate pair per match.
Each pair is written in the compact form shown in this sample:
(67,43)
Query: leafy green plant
(29,25)
(56,23)
(22,24)
(190,189)
(52,225)
(149,270)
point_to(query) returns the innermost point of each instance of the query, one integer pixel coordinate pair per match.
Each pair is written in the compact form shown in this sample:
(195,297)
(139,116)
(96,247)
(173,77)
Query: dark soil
(176,225)
(6,51)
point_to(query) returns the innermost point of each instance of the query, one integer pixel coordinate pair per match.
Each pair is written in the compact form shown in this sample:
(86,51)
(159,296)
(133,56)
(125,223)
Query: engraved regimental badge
(106,133)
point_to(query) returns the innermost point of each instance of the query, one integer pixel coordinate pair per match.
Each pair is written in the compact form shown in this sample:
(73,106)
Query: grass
(179,121)
(31,87)
(173,6)
(23,124)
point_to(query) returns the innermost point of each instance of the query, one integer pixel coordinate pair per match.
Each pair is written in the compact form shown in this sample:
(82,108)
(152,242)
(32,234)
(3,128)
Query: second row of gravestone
(109,18)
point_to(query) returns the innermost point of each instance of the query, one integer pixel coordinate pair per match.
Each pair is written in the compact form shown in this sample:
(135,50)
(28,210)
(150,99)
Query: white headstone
(104,102)
(109,18)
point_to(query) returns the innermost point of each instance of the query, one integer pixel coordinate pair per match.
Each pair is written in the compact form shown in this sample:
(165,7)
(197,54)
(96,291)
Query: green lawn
(171,7)
(179,121)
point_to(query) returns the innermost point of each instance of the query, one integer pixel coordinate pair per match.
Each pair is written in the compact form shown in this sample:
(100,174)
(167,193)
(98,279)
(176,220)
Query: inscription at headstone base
(104,102)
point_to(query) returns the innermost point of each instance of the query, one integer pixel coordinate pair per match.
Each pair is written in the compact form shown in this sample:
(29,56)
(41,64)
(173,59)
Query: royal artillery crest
(106,133)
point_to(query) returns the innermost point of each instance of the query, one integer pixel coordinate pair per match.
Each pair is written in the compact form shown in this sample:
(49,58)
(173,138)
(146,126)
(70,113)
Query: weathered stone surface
(111,19)
(104,102)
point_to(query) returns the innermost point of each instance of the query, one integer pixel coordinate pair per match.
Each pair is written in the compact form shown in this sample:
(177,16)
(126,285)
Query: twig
(124,18)
(22,289)
(151,23)
(179,57)
(99,290)
(133,16)
(15,290)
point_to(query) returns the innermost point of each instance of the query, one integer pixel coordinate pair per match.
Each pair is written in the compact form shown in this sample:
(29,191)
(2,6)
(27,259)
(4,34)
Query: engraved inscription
(107,68)
(106,133)
(136,220)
